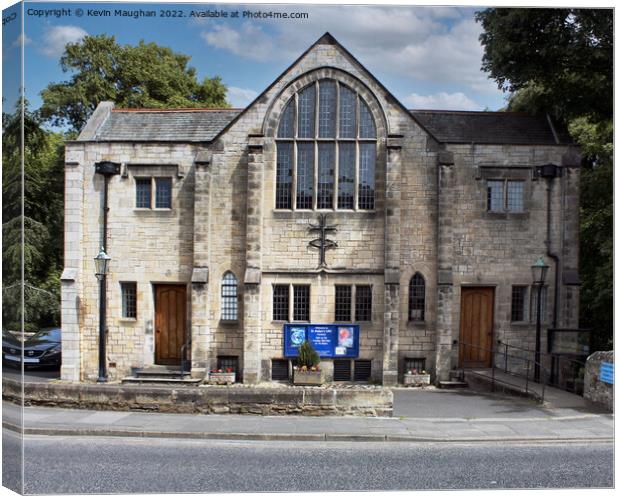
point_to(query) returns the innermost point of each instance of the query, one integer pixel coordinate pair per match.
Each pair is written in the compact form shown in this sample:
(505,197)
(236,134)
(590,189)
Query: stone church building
(324,201)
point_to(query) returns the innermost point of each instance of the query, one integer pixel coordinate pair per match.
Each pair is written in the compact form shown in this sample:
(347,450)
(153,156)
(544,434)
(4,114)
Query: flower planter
(308,377)
(221,377)
(417,380)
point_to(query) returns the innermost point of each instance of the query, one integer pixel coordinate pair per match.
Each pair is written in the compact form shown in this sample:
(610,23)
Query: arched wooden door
(476,335)
(170,318)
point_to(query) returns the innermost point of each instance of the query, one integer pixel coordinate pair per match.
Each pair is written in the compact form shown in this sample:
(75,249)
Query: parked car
(42,349)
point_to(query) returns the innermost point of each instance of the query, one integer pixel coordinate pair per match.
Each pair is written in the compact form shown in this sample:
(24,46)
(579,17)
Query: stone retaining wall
(376,402)
(593,389)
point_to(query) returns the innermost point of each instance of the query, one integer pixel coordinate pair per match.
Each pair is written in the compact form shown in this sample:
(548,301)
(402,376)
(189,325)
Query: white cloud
(249,42)
(240,97)
(423,44)
(21,39)
(441,101)
(55,39)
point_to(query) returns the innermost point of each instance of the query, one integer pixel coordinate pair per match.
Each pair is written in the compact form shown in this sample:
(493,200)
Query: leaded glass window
(285,175)
(327,109)
(505,196)
(143,192)
(229,297)
(343,303)
(326,150)
(366,192)
(305,175)
(495,196)
(301,303)
(363,303)
(517,309)
(280,302)
(325,198)
(514,196)
(129,300)
(307,111)
(346,175)
(163,192)
(417,297)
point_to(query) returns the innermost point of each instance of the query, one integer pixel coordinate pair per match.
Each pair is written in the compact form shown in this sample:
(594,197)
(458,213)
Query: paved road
(33,375)
(109,465)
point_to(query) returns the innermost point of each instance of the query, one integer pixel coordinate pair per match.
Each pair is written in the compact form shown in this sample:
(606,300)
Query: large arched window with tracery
(326,150)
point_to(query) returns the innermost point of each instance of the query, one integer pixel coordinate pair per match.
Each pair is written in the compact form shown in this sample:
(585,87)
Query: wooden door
(170,313)
(476,339)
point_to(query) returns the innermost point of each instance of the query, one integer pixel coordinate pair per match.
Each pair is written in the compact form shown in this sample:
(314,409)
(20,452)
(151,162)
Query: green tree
(40,223)
(560,62)
(146,75)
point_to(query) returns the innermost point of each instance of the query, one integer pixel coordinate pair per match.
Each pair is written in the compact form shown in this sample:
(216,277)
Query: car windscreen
(47,335)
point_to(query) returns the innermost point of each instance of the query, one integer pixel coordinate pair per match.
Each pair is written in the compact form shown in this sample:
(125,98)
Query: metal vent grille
(342,370)
(362,370)
(279,370)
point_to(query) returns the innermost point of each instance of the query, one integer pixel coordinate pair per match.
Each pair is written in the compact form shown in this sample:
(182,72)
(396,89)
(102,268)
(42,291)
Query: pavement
(426,415)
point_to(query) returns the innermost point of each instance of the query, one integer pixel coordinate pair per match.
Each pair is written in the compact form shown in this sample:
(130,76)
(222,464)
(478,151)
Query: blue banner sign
(329,340)
(607,373)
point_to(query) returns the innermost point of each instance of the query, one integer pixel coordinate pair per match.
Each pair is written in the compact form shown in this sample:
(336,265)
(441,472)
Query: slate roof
(489,127)
(200,125)
(447,126)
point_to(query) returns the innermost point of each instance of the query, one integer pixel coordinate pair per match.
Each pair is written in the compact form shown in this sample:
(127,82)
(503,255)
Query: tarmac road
(110,465)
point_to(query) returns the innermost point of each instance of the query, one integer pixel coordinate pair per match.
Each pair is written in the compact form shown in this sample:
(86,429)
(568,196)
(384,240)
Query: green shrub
(308,355)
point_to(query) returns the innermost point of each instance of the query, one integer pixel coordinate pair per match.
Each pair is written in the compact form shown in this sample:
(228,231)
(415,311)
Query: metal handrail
(494,366)
(183,359)
(555,360)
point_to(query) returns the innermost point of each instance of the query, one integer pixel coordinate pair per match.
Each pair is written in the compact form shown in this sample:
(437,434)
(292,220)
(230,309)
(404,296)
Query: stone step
(162,372)
(452,384)
(177,381)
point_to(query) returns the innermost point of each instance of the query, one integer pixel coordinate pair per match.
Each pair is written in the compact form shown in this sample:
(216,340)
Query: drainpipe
(550,172)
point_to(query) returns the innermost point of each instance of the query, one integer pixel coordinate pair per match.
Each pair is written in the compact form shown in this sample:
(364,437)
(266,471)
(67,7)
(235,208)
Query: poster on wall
(329,340)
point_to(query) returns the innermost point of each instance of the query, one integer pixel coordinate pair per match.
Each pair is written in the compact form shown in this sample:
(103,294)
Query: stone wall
(375,402)
(593,388)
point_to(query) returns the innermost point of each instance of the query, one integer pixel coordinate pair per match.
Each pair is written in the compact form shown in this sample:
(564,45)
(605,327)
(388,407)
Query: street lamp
(102,260)
(539,274)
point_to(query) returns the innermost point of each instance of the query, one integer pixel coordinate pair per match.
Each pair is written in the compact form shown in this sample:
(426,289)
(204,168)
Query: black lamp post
(105,169)
(539,274)
(102,260)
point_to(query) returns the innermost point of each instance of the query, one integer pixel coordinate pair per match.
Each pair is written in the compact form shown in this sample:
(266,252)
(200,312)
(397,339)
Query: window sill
(143,210)
(521,324)
(229,322)
(506,215)
(128,320)
(420,324)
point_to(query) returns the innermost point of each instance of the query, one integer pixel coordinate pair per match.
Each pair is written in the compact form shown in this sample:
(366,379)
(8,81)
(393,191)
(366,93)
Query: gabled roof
(490,127)
(187,125)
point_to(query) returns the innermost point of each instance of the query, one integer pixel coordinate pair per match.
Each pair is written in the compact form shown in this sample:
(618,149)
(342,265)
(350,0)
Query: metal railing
(556,360)
(184,360)
(530,366)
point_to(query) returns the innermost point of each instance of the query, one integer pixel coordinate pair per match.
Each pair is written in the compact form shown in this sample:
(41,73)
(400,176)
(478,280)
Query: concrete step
(452,384)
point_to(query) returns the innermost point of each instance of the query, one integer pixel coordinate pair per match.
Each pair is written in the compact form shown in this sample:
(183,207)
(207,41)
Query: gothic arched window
(417,298)
(229,297)
(327,147)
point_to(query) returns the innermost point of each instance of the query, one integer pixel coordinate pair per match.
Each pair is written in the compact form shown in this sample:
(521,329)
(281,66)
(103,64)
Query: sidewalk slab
(64,422)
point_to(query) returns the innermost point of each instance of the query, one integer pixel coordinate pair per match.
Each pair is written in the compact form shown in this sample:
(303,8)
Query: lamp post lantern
(102,261)
(539,274)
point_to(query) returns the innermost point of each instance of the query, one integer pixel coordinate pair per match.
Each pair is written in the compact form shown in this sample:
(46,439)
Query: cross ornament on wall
(322,242)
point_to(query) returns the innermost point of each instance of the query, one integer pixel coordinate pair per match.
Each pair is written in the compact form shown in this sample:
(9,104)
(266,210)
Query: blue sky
(428,57)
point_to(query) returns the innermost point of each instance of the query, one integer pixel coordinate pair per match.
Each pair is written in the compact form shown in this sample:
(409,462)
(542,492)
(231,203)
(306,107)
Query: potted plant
(307,372)
(417,378)
(222,376)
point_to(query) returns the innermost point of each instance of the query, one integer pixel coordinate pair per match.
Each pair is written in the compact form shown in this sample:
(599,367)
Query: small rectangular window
(362,370)
(363,303)
(129,300)
(517,313)
(343,303)
(419,364)
(279,370)
(495,196)
(280,302)
(143,192)
(514,196)
(342,370)
(163,192)
(301,303)
(229,364)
